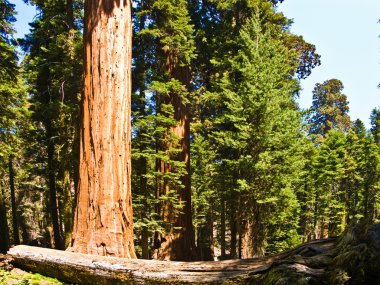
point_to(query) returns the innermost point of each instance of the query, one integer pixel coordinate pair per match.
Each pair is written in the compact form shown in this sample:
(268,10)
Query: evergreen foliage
(52,65)
(330,108)
(214,114)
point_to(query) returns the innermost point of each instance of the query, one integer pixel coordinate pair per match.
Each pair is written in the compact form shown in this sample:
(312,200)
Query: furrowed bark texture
(103,217)
(180,244)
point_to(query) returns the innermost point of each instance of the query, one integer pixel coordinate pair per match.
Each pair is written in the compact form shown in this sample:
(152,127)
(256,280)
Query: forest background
(264,175)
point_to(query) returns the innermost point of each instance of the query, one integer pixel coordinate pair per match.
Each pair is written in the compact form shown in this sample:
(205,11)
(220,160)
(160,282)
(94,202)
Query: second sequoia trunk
(175,48)
(180,243)
(103,217)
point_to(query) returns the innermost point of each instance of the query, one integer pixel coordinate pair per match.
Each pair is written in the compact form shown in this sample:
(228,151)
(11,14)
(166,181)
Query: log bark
(354,257)
(93,269)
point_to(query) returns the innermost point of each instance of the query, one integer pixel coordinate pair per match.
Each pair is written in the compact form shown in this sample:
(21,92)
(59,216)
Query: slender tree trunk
(143,180)
(73,173)
(67,221)
(26,231)
(16,236)
(75,169)
(259,230)
(53,200)
(223,228)
(315,222)
(70,14)
(205,239)
(233,230)
(103,221)
(142,165)
(4,230)
(247,239)
(366,200)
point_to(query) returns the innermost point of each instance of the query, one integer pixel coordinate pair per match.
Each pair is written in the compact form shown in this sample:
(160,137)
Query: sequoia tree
(171,34)
(330,108)
(103,216)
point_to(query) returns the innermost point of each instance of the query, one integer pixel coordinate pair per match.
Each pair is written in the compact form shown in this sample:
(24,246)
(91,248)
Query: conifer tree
(375,124)
(328,172)
(52,69)
(212,63)
(11,100)
(260,126)
(330,108)
(171,39)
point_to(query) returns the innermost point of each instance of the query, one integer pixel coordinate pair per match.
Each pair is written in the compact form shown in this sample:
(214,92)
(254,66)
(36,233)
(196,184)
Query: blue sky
(25,14)
(346,35)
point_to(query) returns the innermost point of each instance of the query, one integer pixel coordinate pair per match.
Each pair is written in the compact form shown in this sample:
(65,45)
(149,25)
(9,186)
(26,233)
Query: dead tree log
(352,259)
(91,269)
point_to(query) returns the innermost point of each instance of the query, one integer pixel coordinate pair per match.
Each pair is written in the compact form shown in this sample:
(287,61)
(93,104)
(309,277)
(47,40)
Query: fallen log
(352,259)
(91,269)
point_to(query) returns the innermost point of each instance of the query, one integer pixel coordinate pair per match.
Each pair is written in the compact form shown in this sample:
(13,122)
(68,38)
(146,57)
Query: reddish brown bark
(103,216)
(180,244)
(247,240)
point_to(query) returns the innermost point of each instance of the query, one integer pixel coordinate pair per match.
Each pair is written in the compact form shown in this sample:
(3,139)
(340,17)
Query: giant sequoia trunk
(103,217)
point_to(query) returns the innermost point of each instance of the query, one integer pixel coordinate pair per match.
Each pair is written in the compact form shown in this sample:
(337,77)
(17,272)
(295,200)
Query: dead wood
(352,259)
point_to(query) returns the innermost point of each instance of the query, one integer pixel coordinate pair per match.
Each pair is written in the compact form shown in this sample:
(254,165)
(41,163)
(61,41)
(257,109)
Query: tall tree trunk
(142,170)
(180,244)
(205,238)
(142,164)
(103,222)
(233,229)
(223,228)
(16,236)
(67,221)
(247,239)
(4,230)
(53,200)
(70,14)
(143,182)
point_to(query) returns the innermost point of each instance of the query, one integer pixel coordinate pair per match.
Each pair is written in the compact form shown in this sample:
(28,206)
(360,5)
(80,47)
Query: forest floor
(10,275)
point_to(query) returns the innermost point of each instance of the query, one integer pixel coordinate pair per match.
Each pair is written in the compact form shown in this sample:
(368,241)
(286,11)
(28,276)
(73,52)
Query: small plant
(8,277)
